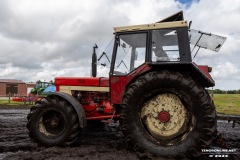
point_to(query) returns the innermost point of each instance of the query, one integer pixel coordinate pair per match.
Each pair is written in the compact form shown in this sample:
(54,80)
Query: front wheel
(53,121)
(167,114)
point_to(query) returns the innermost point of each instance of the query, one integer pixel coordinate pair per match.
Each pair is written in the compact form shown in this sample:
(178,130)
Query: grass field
(12,103)
(224,103)
(227,103)
(4,104)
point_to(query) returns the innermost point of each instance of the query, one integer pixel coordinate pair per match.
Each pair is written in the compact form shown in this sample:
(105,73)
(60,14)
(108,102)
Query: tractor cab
(169,41)
(157,43)
(141,48)
(162,45)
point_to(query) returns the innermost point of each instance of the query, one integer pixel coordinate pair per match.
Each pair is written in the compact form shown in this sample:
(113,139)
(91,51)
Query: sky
(43,39)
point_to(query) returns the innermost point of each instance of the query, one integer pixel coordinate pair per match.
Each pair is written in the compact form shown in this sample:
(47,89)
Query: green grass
(12,103)
(4,104)
(224,103)
(227,103)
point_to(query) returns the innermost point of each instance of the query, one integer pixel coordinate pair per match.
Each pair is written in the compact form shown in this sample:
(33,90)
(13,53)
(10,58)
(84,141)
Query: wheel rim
(165,116)
(51,123)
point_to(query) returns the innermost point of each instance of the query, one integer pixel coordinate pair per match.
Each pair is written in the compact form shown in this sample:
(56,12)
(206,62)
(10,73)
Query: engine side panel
(96,104)
(92,93)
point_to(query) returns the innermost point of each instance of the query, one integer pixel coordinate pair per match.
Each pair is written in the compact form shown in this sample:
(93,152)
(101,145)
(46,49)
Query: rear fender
(197,72)
(76,105)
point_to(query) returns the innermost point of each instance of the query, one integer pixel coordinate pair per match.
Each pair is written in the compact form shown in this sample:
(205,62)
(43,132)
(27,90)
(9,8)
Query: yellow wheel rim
(165,116)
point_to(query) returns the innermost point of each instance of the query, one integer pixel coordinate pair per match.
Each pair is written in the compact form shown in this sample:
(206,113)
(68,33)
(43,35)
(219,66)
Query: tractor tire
(53,122)
(167,114)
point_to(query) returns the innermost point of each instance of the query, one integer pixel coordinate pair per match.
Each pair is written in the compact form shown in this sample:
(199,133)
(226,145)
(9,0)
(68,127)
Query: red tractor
(154,90)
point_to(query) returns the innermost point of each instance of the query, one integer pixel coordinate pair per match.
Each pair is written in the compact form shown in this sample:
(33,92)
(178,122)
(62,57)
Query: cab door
(129,57)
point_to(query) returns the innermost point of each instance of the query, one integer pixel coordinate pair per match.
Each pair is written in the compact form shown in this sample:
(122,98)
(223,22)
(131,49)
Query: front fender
(76,105)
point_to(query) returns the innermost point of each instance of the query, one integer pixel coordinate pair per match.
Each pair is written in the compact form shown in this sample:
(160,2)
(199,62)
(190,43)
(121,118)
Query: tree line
(219,91)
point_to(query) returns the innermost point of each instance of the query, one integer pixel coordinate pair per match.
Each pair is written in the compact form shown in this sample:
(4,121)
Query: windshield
(206,40)
(131,51)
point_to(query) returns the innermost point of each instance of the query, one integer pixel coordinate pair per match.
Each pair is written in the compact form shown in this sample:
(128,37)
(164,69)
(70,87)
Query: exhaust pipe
(94,61)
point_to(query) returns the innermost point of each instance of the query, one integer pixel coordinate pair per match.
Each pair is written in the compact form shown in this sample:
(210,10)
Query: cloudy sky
(42,39)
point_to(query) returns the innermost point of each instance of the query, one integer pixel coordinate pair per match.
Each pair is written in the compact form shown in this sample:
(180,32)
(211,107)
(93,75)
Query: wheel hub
(53,122)
(164,116)
(49,123)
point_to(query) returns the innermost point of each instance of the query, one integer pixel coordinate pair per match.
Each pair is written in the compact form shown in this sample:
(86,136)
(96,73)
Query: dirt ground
(107,143)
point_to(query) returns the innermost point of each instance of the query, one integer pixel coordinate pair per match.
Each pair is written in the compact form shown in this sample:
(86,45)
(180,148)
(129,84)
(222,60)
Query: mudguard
(76,105)
(197,72)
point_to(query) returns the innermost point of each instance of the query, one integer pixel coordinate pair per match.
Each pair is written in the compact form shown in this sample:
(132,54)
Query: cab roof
(173,21)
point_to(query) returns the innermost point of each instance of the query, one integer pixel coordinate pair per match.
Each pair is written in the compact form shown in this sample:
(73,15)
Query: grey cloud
(58,40)
(5,12)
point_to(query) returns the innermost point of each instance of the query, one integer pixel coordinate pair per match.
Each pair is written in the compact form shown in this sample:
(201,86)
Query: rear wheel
(168,115)
(53,121)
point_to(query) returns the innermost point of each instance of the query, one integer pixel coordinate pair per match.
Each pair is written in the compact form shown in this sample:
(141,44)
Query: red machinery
(154,89)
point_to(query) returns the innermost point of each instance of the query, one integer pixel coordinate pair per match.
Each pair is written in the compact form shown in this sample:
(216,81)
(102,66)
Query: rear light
(209,69)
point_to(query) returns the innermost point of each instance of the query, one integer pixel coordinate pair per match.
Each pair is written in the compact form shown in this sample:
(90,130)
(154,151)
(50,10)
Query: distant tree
(218,91)
(51,81)
(38,81)
(232,91)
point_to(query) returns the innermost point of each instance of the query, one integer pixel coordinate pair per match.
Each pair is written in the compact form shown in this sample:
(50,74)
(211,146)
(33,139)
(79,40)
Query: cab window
(165,46)
(131,53)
